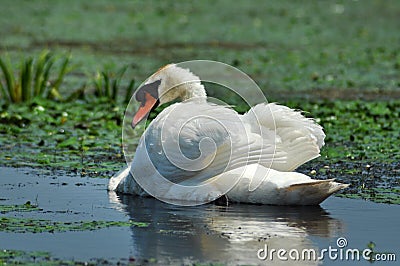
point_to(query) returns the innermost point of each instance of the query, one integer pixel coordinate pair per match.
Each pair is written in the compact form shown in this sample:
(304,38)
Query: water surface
(176,235)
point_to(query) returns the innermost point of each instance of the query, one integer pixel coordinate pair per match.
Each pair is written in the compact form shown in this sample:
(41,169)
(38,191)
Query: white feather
(301,138)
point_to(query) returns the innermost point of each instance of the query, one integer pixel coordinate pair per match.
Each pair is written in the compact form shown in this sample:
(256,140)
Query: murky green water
(176,235)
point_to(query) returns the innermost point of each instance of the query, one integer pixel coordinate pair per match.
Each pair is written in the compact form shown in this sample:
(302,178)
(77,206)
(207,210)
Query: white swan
(250,159)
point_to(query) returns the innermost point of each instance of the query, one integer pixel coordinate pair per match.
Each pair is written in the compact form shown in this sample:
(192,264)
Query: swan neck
(194,90)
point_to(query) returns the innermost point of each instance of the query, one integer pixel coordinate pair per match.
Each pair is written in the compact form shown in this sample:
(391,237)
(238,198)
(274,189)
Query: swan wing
(194,141)
(298,137)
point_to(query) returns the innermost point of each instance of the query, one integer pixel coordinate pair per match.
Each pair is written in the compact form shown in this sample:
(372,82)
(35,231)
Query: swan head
(169,83)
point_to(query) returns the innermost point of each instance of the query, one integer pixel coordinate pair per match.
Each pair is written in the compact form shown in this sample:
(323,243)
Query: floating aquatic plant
(27,207)
(23,225)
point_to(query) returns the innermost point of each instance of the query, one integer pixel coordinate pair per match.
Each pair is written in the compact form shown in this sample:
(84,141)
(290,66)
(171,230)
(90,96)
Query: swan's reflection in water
(231,235)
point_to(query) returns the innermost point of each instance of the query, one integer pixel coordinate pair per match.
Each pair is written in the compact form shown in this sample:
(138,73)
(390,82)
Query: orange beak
(148,104)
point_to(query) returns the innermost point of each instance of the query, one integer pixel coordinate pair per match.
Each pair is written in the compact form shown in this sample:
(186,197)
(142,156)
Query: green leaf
(4,92)
(115,87)
(97,82)
(72,142)
(8,75)
(129,91)
(26,77)
(46,75)
(39,79)
(107,90)
(63,71)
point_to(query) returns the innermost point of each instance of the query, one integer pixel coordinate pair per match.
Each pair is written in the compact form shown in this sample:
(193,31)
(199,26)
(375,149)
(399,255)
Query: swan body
(278,188)
(253,154)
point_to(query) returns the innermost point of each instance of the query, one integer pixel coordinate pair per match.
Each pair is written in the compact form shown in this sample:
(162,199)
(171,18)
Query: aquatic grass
(107,85)
(38,77)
